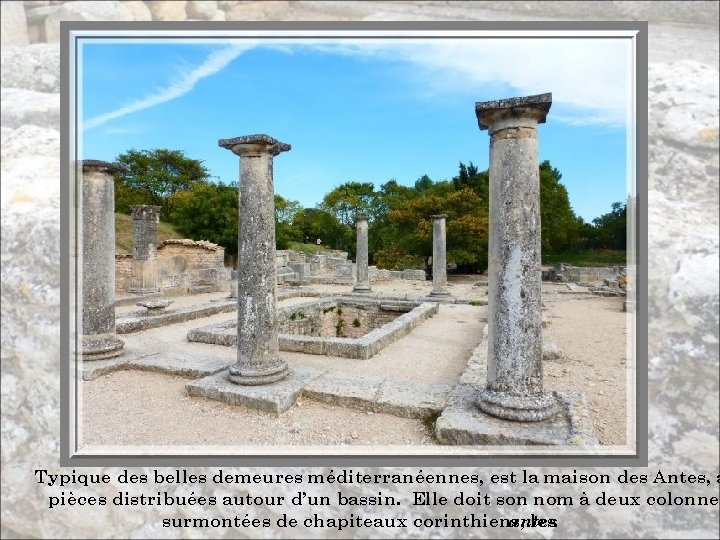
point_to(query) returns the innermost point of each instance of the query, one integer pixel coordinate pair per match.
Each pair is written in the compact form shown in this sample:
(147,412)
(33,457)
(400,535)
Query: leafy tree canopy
(349,200)
(209,211)
(154,176)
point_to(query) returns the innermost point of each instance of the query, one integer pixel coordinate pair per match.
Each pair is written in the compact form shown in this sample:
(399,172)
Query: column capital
(254,145)
(439,216)
(145,211)
(90,165)
(361,217)
(527,111)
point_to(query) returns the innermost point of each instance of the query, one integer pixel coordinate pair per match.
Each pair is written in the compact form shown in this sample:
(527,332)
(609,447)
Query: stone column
(98,260)
(515,375)
(258,356)
(439,257)
(362,279)
(144,266)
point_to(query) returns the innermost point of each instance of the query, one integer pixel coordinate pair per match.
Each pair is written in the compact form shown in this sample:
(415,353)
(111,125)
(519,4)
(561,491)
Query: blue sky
(361,110)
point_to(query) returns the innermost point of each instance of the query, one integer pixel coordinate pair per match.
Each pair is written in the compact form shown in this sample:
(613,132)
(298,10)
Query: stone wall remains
(183,267)
(583,275)
(123,272)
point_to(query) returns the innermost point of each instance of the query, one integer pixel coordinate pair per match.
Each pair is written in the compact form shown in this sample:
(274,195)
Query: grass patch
(124,232)
(429,423)
(596,257)
(476,303)
(308,249)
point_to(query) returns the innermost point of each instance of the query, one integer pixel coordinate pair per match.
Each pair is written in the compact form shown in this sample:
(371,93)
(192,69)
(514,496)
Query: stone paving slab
(411,400)
(344,389)
(96,368)
(574,288)
(185,366)
(274,398)
(463,423)
(141,320)
(375,394)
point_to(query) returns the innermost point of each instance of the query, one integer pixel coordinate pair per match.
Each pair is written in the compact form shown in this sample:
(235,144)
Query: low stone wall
(362,348)
(123,272)
(191,267)
(183,267)
(332,267)
(589,275)
(346,319)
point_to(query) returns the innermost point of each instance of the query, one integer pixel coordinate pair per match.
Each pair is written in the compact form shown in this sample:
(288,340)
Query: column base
(255,377)
(440,294)
(101,346)
(362,288)
(144,291)
(520,408)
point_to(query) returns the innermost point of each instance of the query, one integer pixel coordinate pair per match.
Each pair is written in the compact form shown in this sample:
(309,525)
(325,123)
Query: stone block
(21,107)
(182,365)
(344,390)
(204,9)
(137,321)
(412,400)
(138,10)
(98,368)
(414,274)
(463,423)
(35,67)
(84,11)
(13,25)
(275,398)
(167,11)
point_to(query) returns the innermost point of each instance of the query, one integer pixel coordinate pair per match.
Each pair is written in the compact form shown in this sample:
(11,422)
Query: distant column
(630,303)
(515,375)
(439,257)
(362,280)
(99,340)
(258,353)
(144,266)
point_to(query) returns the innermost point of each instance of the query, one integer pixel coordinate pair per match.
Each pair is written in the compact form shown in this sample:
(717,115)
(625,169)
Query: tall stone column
(439,257)
(258,356)
(143,279)
(515,374)
(99,340)
(362,280)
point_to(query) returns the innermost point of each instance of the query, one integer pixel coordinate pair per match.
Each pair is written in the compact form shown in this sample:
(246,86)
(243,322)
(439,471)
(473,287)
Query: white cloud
(589,78)
(185,82)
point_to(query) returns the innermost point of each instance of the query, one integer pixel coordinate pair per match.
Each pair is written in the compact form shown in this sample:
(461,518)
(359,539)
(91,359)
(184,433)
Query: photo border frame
(69,456)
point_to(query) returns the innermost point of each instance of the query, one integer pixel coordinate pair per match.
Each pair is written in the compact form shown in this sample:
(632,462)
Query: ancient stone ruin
(258,358)
(362,284)
(98,262)
(500,398)
(515,380)
(144,262)
(439,259)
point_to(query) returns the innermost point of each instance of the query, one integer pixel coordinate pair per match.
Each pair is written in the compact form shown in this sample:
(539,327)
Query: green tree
(350,199)
(611,228)
(470,177)
(154,176)
(209,211)
(408,235)
(559,225)
(285,231)
(314,223)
